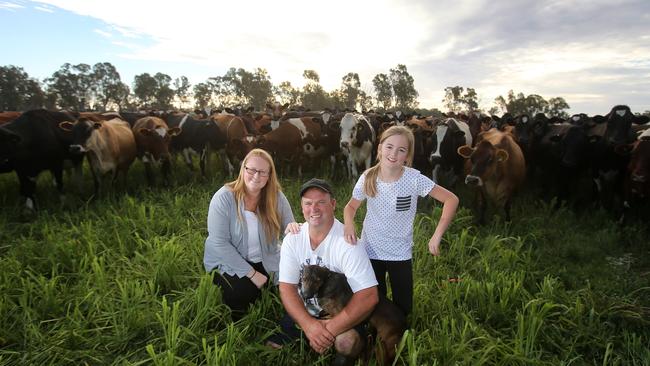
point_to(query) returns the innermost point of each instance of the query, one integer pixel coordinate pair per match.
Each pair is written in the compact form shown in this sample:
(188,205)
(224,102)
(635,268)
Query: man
(321,242)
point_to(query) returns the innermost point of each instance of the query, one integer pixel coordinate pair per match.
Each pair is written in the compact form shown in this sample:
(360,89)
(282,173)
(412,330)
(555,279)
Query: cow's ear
(465,151)
(502,155)
(229,110)
(624,149)
(639,120)
(66,126)
(97,125)
(175,131)
(259,117)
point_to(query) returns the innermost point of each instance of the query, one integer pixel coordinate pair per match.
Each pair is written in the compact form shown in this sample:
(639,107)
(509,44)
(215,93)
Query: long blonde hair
(370,184)
(267,206)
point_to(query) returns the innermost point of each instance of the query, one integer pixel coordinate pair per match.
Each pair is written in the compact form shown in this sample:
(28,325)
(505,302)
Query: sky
(593,53)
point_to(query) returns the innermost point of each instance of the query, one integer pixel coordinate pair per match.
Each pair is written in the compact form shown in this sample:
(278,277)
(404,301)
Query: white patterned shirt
(388,226)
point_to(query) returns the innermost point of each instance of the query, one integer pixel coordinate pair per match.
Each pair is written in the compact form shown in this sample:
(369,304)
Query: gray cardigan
(226,246)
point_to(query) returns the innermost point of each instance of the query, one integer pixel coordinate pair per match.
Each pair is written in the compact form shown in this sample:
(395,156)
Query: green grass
(120,280)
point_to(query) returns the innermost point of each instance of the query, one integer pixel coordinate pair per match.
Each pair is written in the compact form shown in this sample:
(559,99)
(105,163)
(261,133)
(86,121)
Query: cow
(152,138)
(608,168)
(198,137)
(357,142)
(32,143)
(234,130)
(109,146)
(276,110)
(6,117)
(636,187)
(495,168)
(449,136)
(284,144)
(563,156)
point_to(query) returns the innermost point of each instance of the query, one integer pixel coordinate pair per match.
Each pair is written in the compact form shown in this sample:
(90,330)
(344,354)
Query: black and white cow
(357,141)
(450,135)
(198,137)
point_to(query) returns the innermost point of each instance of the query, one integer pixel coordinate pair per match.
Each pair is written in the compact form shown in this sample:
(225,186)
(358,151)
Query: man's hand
(320,339)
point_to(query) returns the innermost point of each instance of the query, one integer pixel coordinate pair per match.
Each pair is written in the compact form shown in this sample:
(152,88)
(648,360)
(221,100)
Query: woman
(244,226)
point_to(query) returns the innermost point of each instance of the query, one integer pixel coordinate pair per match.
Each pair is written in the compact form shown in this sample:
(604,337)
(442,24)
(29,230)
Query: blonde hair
(370,184)
(268,203)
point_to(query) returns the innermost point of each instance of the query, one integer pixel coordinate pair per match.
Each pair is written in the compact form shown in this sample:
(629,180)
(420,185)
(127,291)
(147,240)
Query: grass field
(120,280)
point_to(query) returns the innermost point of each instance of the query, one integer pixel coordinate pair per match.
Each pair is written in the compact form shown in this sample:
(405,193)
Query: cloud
(103,33)
(569,48)
(10,6)
(44,9)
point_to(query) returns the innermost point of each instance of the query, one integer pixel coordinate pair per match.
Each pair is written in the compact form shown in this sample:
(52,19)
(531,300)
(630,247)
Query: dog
(333,292)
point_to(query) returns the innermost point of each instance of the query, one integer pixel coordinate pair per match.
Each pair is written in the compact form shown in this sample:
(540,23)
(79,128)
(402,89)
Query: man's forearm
(293,304)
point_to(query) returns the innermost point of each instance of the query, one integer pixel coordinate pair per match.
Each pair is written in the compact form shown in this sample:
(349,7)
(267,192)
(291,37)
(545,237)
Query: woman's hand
(293,228)
(350,234)
(258,279)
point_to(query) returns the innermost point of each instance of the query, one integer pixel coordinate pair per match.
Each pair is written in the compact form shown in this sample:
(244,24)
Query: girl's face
(394,151)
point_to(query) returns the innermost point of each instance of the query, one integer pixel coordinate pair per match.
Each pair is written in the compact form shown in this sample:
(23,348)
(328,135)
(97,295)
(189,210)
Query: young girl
(392,188)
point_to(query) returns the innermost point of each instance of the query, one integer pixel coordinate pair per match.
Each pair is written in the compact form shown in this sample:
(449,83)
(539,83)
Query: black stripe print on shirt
(403,203)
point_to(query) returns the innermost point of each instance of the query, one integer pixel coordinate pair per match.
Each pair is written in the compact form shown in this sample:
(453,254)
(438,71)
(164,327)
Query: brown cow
(636,187)
(6,117)
(496,167)
(152,138)
(285,144)
(233,128)
(109,146)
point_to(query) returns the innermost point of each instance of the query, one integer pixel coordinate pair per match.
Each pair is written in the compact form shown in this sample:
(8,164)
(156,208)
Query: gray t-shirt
(388,227)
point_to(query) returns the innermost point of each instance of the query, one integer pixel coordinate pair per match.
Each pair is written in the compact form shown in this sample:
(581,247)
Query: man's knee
(349,343)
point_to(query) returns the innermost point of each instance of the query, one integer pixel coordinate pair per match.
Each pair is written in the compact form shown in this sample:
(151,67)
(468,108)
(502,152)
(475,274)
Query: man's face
(318,208)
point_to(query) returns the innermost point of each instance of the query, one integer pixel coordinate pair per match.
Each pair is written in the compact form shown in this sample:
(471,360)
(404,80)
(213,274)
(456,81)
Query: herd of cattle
(608,156)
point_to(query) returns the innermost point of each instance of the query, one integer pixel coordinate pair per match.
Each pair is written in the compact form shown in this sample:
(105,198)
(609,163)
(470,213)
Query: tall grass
(120,280)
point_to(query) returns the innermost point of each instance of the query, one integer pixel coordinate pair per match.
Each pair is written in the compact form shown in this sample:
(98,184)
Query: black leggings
(239,292)
(400,274)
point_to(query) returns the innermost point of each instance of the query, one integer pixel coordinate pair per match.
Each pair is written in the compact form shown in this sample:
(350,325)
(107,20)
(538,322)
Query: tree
(403,88)
(313,95)
(516,104)
(286,93)
(164,94)
(457,100)
(144,89)
(202,95)
(244,87)
(72,85)
(120,94)
(383,90)
(350,90)
(182,89)
(556,108)
(107,84)
(18,91)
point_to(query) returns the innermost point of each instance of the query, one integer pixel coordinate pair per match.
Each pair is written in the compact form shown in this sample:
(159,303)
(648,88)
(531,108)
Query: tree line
(99,87)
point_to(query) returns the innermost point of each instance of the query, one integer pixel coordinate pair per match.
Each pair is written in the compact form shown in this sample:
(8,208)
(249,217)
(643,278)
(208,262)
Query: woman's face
(256,174)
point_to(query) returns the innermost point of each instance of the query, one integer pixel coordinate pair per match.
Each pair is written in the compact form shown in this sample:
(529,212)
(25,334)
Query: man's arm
(319,337)
(361,304)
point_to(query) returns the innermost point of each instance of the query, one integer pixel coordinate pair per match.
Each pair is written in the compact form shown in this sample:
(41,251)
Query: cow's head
(157,140)
(619,125)
(484,159)
(81,132)
(276,110)
(573,146)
